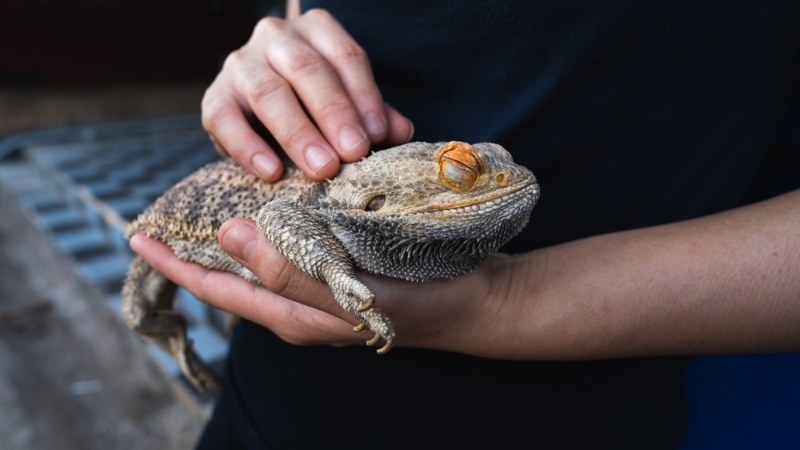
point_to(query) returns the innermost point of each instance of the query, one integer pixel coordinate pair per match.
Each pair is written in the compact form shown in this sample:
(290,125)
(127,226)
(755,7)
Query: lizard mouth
(486,204)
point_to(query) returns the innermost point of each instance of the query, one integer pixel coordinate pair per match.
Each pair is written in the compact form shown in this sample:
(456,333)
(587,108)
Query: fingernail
(134,241)
(410,131)
(350,138)
(317,157)
(376,125)
(240,241)
(264,166)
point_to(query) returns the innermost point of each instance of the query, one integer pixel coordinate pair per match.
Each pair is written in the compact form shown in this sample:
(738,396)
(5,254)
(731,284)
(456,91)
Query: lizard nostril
(501,179)
(376,203)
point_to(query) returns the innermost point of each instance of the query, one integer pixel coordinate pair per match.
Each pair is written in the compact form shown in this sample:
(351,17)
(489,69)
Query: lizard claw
(359,327)
(367,305)
(374,341)
(386,347)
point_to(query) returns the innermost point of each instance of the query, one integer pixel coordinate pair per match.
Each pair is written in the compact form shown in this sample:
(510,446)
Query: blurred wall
(81,41)
(74,62)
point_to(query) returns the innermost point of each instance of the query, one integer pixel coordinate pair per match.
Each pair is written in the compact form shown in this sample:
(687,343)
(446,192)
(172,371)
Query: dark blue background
(751,401)
(744,402)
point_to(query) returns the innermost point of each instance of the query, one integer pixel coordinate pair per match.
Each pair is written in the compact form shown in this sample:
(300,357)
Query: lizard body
(417,212)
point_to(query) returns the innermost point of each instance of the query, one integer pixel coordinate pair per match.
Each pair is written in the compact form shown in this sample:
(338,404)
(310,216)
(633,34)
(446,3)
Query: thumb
(242,240)
(239,238)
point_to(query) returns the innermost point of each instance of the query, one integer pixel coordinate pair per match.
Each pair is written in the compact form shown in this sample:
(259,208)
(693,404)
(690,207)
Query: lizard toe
(386,347)
(374,341)
(367,305)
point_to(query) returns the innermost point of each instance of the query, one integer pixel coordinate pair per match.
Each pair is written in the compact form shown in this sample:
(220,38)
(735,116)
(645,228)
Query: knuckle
(232,59)
(368,95)
(332,107)
(302,65)
(349,53)
(279,275)
(209,98)
(294,135)
(318,14)
(268,25)
(213,113)
(260,89)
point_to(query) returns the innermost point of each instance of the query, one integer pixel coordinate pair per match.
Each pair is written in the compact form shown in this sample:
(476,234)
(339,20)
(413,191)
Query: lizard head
(425,178)
(422,211)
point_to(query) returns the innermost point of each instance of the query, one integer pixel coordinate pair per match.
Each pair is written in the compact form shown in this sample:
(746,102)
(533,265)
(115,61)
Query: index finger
(351,63)
(232,135)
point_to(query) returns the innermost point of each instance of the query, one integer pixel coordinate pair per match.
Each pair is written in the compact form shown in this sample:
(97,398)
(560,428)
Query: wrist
(499,321)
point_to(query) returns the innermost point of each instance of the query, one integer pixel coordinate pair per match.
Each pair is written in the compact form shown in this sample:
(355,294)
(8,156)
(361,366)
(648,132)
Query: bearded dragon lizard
(417,212)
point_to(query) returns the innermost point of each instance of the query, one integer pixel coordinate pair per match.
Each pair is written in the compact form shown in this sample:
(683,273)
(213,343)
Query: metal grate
(84,185)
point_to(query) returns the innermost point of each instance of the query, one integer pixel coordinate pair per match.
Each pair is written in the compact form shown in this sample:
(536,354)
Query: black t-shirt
(630,113)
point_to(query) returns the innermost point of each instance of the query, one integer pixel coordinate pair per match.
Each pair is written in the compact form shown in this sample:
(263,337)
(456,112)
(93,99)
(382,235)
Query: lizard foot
(375,320)
(196,371)
(359,327)
(364,298)
(386,347)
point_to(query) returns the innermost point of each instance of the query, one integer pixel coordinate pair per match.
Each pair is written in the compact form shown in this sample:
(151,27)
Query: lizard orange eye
(458,165)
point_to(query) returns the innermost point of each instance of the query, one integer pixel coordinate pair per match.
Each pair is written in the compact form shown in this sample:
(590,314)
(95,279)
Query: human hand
(310,84)
(463,314)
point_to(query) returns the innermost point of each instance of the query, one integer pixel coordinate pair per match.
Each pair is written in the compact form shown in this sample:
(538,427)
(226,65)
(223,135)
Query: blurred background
(71,375)
(67,62)
(99,113)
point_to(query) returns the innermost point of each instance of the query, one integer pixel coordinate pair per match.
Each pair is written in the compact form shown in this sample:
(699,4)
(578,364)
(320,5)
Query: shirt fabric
(630,113)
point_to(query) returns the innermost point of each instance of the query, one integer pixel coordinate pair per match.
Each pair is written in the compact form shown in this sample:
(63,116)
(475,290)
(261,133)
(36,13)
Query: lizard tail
(147,300)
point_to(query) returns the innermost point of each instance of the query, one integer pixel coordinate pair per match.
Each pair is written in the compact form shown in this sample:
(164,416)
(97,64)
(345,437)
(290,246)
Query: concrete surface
(71,375)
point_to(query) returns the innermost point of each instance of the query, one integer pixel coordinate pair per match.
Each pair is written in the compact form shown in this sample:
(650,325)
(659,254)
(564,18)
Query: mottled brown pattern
(418,211)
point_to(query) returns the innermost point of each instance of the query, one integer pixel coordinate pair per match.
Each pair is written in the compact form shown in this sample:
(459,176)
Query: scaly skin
(418,211)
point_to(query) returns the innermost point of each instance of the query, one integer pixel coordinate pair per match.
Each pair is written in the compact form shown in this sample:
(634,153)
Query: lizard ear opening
(375,203)
(458,165)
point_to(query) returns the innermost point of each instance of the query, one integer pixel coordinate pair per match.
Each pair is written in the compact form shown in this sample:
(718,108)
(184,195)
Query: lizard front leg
(312,248)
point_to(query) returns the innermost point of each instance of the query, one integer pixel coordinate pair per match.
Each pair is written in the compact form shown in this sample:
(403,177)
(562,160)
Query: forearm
(725,283)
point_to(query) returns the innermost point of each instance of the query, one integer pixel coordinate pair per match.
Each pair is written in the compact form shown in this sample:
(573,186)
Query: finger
(351,64)
(274,103)
(231,134)
(293,322)
(202,282)
(245,243)
(401,129)
(292,9)
(220,149)
(316,83)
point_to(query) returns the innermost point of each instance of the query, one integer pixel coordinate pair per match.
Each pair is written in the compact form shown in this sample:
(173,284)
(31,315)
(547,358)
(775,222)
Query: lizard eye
(376,203)
(458,165)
